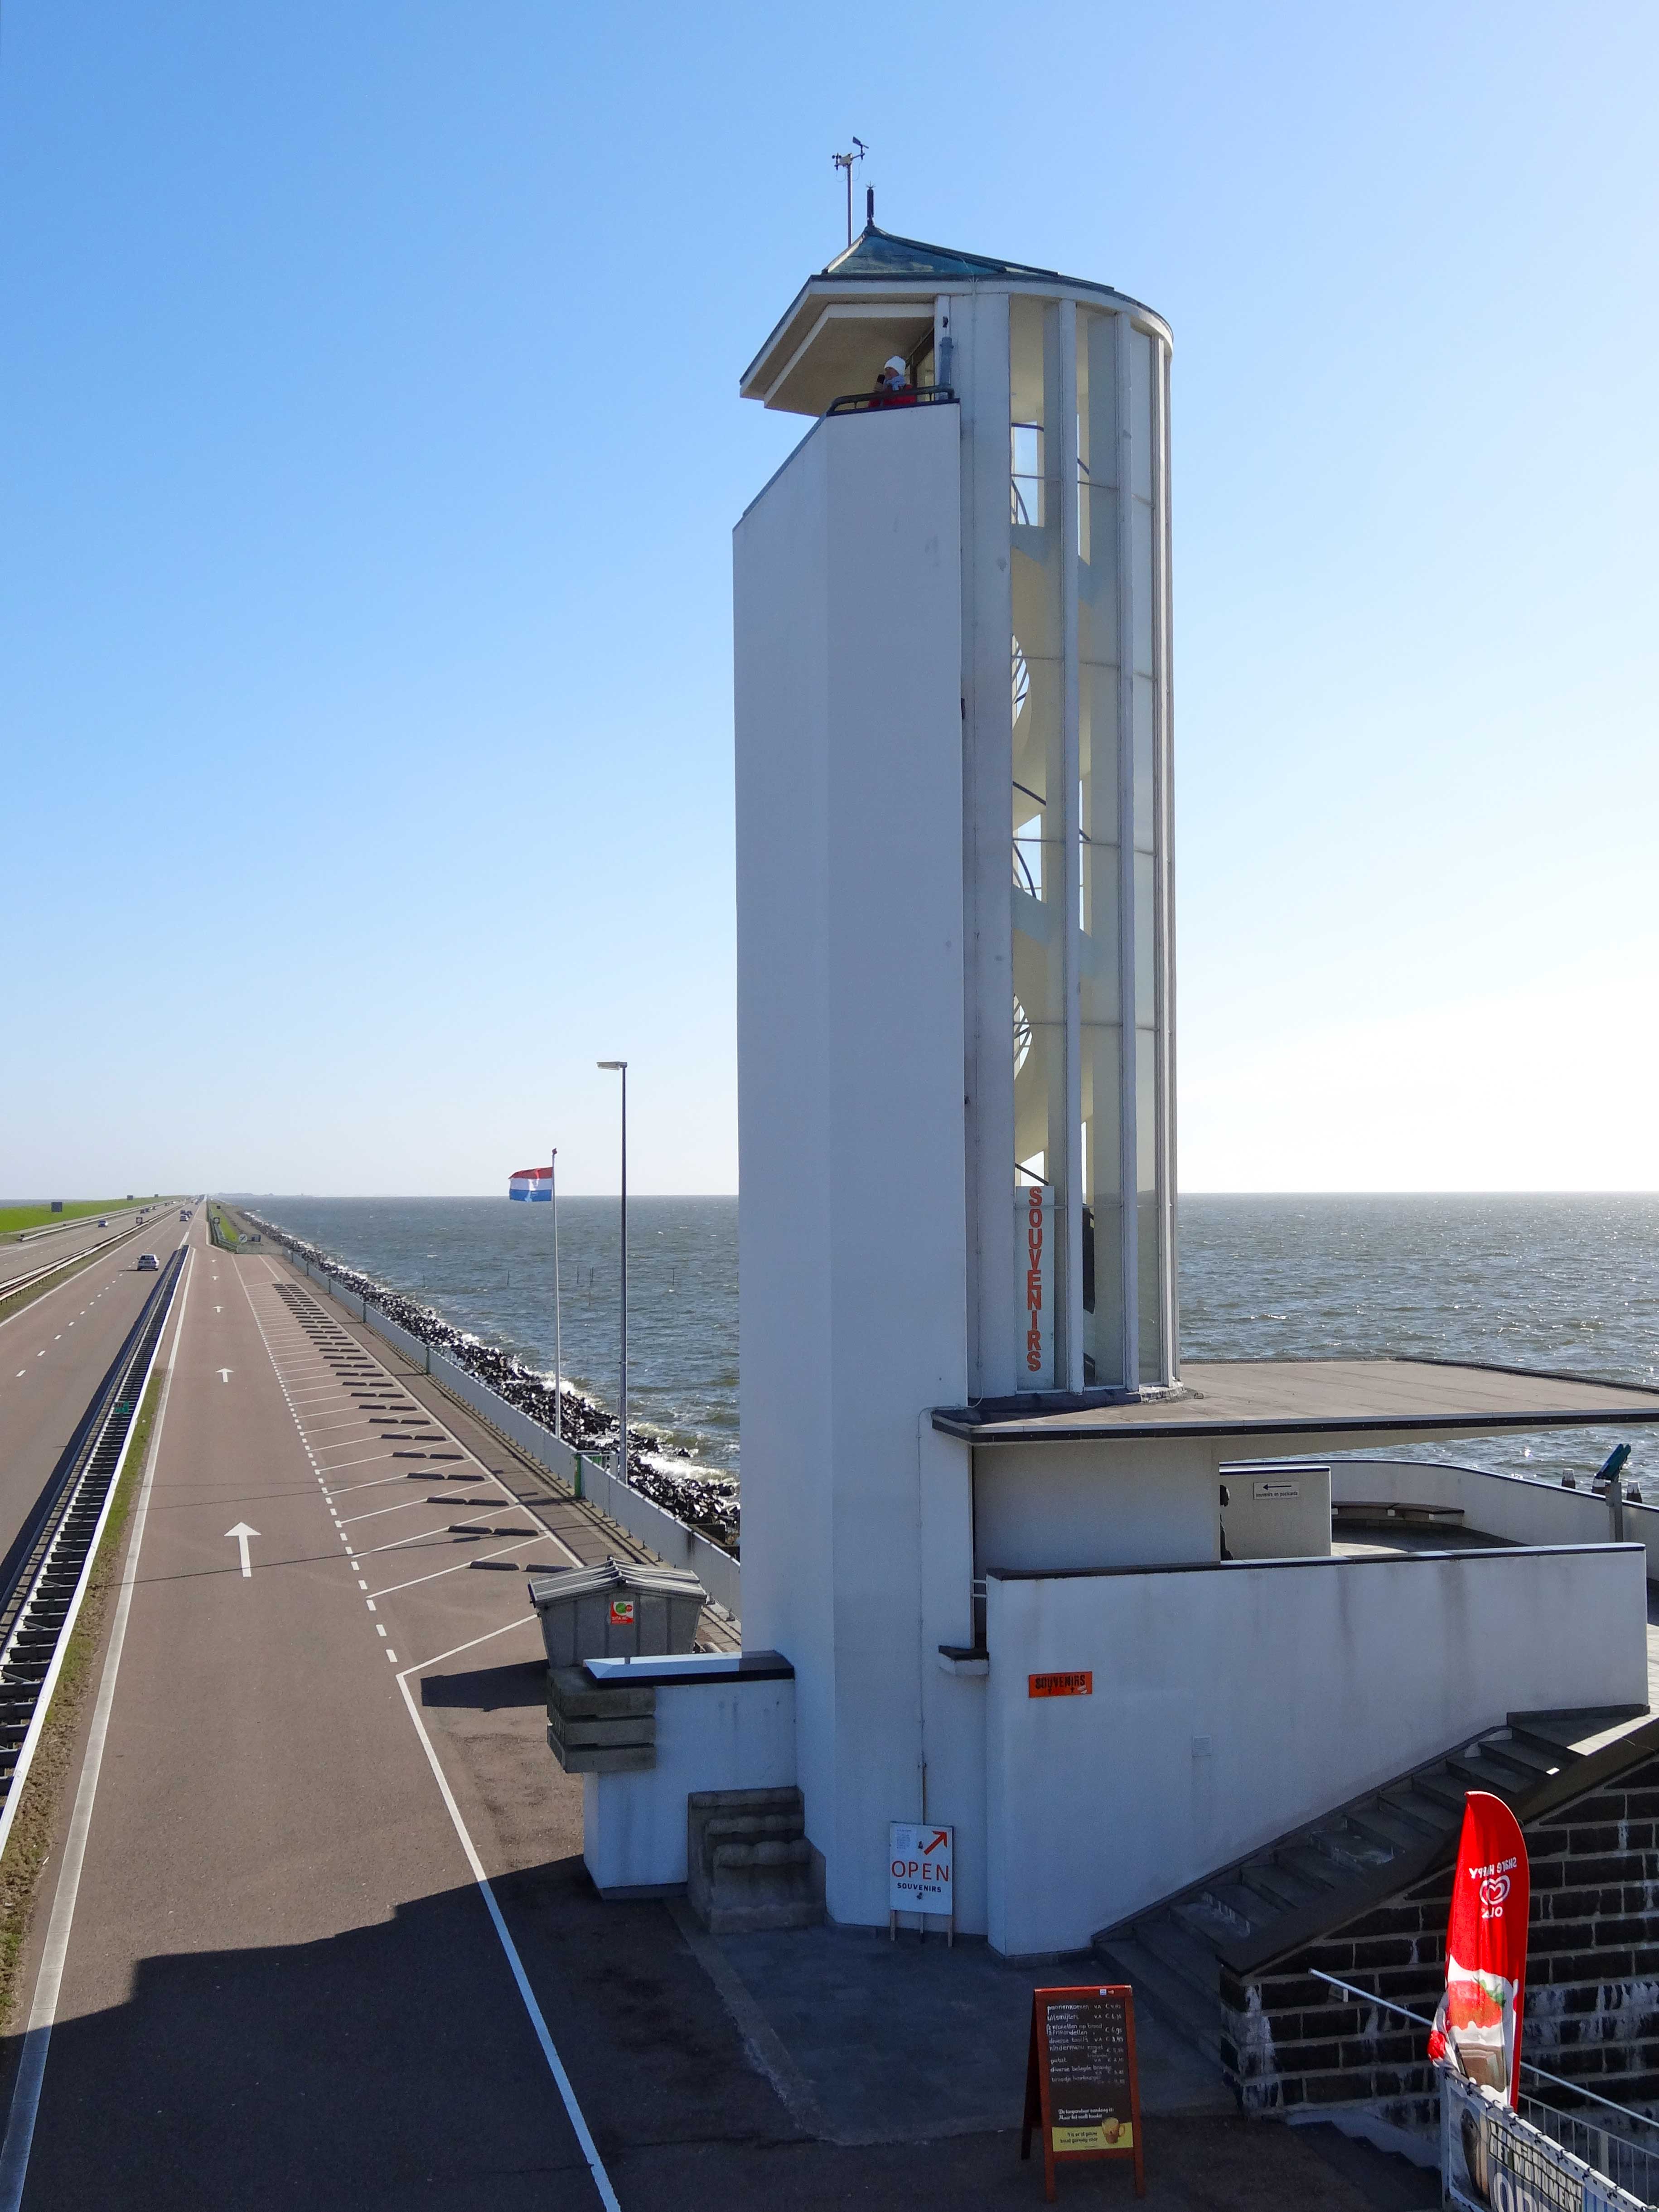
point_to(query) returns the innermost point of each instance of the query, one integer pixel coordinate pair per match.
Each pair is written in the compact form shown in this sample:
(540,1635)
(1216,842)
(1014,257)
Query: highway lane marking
(554,2064)
(32,2064)
(422,1536)
(460,1566)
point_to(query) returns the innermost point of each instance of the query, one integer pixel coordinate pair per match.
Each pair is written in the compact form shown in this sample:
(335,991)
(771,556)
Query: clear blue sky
(369,446)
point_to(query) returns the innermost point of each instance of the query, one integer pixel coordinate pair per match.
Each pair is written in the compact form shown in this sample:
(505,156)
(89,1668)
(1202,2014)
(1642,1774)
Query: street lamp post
(558,1319)
(620,1067)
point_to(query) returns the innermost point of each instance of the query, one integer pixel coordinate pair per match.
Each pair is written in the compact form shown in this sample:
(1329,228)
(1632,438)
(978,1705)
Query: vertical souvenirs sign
(1477,2029)
(1034,1241)
(1082,2093)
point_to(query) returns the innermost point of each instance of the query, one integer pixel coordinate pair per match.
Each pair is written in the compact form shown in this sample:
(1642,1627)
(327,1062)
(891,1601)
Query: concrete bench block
(598,1758)
(574,1692)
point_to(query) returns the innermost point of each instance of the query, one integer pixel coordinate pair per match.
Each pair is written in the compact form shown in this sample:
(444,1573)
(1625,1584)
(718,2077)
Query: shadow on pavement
(393,2065)
(488,1689)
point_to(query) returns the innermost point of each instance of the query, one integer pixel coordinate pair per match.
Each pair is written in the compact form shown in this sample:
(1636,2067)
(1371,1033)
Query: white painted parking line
(460,1566)
(555,2065)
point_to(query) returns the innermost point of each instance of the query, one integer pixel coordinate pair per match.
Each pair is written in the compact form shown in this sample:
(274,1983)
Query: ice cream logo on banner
(1477,2028)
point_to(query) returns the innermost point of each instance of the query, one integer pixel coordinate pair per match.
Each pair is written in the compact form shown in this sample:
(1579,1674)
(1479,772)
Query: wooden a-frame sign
(1082,2090)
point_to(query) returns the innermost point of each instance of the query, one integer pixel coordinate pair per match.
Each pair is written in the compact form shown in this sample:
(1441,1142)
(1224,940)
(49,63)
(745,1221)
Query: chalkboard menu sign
(1081,2090)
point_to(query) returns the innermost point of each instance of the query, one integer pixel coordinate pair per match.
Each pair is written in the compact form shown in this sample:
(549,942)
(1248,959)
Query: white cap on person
(895,366)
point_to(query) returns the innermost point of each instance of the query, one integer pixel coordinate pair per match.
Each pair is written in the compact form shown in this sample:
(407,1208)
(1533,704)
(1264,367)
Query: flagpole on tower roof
(558,1323)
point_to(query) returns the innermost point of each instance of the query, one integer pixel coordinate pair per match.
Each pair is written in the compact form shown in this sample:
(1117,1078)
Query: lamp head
(612,1063)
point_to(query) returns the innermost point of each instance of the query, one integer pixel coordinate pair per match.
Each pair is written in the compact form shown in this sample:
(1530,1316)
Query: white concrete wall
(853,1277)
(1234,1702)
(953,1704)
(1505,1505)
(1044,1508)
(726,1734)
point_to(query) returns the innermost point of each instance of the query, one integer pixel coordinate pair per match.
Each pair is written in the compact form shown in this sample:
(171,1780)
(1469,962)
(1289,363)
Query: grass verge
(15,1219)
(30,1844)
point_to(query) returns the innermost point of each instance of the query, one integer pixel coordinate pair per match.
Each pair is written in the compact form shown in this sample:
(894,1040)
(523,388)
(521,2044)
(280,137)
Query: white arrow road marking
(224,1374)
(241,1532)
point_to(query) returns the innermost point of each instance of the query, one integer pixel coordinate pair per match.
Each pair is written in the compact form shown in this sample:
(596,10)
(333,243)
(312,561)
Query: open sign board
(919,1869)
(1082,2093)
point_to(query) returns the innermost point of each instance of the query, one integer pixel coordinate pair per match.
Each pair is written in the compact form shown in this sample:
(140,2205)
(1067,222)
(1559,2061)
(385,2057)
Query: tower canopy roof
(878,299)
(880,253)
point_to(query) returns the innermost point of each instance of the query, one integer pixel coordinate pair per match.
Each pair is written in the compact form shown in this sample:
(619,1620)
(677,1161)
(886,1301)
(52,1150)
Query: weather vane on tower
(845,161)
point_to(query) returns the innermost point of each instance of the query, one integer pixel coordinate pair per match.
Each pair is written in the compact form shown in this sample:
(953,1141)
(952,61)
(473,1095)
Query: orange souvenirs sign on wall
(1080,1684)
(1034,1235)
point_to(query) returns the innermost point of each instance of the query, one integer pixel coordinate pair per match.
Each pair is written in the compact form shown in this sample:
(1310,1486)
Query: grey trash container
(622,1610)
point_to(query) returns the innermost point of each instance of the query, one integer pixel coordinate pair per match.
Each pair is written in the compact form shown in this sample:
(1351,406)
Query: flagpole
(558,1323)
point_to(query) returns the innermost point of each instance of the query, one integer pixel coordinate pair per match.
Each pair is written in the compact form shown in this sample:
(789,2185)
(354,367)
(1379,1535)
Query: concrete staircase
(749,1865)
(1243,1916)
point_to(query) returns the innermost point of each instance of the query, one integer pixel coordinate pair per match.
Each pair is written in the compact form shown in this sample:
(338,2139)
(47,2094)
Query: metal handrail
(875,403)
(1573,2088)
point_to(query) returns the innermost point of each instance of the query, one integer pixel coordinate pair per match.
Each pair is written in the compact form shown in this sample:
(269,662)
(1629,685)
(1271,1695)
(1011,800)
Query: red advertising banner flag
(1477,2029)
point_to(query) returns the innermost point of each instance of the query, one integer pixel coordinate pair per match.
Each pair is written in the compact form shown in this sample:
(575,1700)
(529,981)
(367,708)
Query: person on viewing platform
(893,385)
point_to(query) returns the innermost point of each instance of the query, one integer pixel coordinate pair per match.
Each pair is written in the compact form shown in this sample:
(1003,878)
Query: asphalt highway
(18,1261)
(281,1983)
(53,1355)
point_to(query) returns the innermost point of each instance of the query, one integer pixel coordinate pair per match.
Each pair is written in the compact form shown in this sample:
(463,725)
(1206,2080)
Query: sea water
(1566,1284)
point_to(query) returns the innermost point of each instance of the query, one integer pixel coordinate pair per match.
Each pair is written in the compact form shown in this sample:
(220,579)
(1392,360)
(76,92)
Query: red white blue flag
(531,1182)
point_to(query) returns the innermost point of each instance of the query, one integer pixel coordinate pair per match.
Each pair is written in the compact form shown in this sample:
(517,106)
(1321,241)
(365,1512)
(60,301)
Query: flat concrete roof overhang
(837,328)
(1313,1405)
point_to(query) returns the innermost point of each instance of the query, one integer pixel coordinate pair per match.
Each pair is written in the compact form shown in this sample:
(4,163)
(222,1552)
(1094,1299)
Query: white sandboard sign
(919,1867)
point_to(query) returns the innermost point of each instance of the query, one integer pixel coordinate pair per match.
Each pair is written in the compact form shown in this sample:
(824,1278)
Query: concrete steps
(1240,1918)
(749,1865)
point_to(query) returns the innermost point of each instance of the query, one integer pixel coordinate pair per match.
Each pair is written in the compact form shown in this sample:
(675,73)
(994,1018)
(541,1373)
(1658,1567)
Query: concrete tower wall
(852,1239)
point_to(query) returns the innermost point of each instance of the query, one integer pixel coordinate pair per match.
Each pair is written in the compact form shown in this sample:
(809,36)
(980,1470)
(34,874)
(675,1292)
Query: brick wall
(1592,2004)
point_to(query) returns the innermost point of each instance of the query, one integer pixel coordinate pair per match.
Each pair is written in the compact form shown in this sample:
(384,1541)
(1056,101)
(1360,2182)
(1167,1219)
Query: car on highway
(146,1261)
(102,1224)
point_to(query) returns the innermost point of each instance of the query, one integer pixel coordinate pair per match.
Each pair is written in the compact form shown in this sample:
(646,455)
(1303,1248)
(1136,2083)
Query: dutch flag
(531,1182)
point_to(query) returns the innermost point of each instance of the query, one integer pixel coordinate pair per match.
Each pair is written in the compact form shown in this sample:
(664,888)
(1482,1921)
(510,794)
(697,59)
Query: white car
(148,1262)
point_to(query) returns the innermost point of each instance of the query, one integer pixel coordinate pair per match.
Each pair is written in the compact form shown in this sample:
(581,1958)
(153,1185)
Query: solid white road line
(554,2064)
(32,2065)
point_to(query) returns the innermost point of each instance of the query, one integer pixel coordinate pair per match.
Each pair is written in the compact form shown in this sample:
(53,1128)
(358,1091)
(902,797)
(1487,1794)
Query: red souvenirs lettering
(1034,1280)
